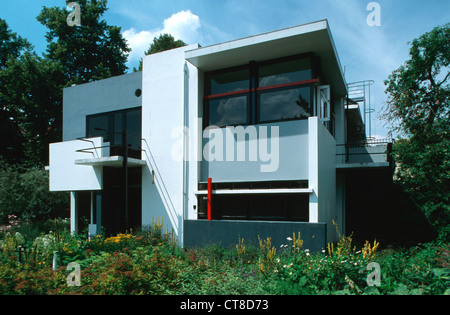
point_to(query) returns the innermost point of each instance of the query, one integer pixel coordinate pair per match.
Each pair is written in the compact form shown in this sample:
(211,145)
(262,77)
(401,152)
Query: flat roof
(312,37)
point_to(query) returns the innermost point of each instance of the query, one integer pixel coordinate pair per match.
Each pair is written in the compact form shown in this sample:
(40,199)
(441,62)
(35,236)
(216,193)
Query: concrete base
(198,233)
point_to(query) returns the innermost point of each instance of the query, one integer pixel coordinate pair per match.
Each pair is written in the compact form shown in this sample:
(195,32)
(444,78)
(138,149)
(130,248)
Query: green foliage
(419,107)
(31,86)
(12,46)
(25,194)
(145,263)
(423,170)
(418,92)
(33,94)
(93,51)
(162,43)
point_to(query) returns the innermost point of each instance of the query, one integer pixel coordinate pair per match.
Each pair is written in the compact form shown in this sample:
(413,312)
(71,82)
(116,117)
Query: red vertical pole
(209,198)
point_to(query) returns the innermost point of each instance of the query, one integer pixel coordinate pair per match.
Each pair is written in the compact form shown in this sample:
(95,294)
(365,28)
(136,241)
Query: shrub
(25,194)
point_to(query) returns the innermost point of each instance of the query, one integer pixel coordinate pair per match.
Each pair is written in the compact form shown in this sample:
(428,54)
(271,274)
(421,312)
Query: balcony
(78,165)
(368,153)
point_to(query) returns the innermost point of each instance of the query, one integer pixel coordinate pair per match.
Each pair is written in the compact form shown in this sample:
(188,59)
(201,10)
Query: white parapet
(66,174)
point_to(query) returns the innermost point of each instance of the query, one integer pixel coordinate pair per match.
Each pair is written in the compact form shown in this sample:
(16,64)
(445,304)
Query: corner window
(275,90)
(111,127)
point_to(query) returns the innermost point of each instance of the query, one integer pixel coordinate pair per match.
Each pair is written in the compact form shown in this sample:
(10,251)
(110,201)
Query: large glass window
(111,127)
(285,104)
(260,92)
(228,111)
(285,72)
(229,81)
(257,207)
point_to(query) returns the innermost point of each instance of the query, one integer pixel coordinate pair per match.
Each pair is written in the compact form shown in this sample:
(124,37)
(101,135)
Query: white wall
(163,101)
(65,175)
(322,176)
(286,158)
(102,96)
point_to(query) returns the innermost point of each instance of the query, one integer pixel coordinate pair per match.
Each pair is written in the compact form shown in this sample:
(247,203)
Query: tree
(33,91)
(92,51)
(162,43)
(11,47)
(419,107)
(32,86)
(418,91)
(24,193)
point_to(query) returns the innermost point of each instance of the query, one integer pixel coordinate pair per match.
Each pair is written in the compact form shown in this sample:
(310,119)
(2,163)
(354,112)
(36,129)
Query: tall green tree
(419,91)
(92,51)
(31,89)
(11,47)
(162,43)
(418,106)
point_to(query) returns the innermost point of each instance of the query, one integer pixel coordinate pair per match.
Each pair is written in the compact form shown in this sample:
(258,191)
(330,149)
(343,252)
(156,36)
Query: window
(271,91)
(285,72)
(228,100)
(285,104)
(324,103)
(228,82)
(257,207)
(111,127)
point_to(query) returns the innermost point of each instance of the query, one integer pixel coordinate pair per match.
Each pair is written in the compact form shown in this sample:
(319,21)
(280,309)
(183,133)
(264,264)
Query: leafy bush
(25,194)
(149,263)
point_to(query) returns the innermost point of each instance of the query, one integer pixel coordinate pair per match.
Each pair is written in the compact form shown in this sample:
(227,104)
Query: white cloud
(182,25)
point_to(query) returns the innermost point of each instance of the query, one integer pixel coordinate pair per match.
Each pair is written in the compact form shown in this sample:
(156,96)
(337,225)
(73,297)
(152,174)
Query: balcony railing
(366,151)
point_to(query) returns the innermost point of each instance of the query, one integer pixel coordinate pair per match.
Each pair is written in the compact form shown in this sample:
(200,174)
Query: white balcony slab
(110,161)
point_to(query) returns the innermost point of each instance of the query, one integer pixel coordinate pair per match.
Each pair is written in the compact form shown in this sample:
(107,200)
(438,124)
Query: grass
(150,262)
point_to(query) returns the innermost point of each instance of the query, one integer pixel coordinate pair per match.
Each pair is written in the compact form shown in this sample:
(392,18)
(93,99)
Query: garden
(36,260)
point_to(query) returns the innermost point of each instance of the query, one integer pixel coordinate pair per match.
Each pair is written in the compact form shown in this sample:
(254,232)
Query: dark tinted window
(111,126)
(228,111)
(285,72)
(226,82)
(285,104)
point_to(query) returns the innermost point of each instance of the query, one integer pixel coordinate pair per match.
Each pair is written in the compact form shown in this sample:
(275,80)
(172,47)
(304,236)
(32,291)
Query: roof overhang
(313,37)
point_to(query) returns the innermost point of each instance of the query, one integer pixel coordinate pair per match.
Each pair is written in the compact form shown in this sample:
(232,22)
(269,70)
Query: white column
(313,166)
(73,212)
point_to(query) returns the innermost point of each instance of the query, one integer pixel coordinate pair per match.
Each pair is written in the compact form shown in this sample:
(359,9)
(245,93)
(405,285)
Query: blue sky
(366,53)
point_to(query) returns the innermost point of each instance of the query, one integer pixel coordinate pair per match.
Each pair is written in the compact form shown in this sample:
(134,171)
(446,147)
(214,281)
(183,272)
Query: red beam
(292,84)
(277,86)
(234,93)
(209,198)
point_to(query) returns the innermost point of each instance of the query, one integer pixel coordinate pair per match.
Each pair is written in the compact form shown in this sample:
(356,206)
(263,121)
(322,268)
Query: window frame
(111,123)
(254,90)
(287,87)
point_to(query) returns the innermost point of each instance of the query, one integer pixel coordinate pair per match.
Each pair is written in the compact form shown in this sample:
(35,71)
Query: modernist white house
(236,140)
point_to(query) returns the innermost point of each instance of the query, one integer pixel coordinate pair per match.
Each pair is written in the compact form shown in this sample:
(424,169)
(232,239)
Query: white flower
(289,238)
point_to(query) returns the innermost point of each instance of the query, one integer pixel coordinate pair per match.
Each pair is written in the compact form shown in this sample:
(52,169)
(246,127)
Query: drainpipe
(185,144)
